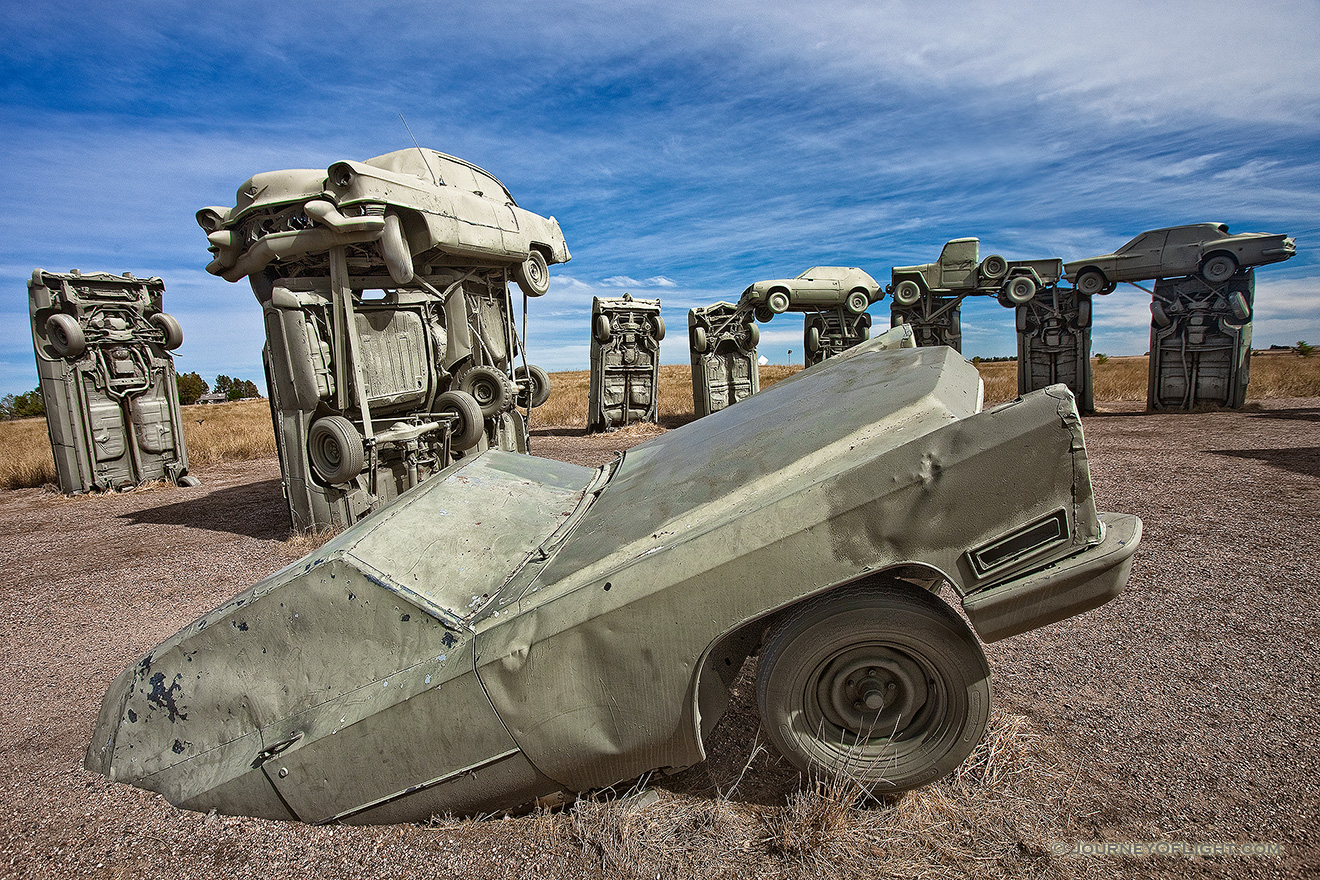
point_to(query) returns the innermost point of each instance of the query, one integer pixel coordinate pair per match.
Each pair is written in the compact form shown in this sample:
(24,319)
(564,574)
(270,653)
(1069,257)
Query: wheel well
(723,660)
(1220,253)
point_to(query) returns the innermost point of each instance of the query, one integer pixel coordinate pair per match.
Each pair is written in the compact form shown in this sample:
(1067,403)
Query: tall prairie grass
(242,430)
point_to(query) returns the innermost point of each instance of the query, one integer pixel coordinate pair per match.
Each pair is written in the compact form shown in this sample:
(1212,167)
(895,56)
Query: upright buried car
(518,626)
(1206,249)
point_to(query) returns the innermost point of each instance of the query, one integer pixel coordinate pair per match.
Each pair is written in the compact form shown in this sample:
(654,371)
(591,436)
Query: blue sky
(687,149)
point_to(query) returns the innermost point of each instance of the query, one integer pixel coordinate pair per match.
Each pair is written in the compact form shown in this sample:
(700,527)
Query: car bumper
(1068,587)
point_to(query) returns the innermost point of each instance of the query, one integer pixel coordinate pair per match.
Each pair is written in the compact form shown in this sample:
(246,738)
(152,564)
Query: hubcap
(872,691)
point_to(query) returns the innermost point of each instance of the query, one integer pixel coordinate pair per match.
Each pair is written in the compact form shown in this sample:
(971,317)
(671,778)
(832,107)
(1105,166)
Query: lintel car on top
(818,287)
(413,202)
(1206,249)
(517,626)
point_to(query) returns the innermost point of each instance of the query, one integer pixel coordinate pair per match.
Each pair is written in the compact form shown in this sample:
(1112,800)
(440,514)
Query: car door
(1141,258)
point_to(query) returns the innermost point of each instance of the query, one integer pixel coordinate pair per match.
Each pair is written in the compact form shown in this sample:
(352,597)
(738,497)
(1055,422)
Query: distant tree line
(192,387)
(22,406)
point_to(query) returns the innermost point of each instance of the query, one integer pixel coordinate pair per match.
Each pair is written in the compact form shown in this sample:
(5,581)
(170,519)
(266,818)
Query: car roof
(424,163)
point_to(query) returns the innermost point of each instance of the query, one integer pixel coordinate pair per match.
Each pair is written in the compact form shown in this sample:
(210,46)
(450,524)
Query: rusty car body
(1205,249)
(517,626)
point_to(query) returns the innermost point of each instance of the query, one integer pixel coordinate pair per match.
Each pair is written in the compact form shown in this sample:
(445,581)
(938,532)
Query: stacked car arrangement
(391,347)
(491,628)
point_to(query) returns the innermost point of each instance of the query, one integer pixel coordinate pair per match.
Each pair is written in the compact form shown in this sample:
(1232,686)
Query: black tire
(395,251)
(537,382)
(171,328)
(335,449)
(533,274)
(907,292)
(658,328)
(700,342)
(882,683)
(489,387)
(470,427)
(66,336)
(1218,268)
(994,267)
(1021,319)
(763,314)
(858,302)
(1021,289)
(1158,315)
(601,328)
(778,301)
(1091,282)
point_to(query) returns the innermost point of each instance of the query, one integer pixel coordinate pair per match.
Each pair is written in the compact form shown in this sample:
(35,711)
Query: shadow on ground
(255,510)
(1298,459)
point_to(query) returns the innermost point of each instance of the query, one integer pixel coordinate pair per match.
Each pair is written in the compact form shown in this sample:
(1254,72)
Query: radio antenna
(420,151)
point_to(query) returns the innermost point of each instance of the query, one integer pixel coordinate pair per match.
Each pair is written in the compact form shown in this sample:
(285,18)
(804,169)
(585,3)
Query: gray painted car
(519,626)
(412,207)
(1205,249)
(819,286)
(103,347)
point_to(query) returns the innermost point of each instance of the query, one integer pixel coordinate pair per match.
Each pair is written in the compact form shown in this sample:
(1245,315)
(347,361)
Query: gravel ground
(1184,711)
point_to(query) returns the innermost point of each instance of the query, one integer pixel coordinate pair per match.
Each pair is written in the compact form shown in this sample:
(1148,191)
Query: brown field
(241,431)
(1182,712)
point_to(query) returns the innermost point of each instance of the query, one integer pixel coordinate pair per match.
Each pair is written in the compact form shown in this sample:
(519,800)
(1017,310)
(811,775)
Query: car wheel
(1020,290)
(658,328)
(858,302)
(813,339)
(533,275)
(1158,316)
(1219,268)
(994,267)
(1022,319)
(777,301)
(602,328)
(537,383)
(907,292)
(488,387)
(1091,281)
(699,339)
(170,327)
(1237,304)
(468,428)
(335,449)
(753,336)
(395,251)
(66,336)
(882,683)
(763,314)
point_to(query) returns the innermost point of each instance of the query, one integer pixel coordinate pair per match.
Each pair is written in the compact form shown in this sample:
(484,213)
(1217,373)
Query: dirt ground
(1184,711)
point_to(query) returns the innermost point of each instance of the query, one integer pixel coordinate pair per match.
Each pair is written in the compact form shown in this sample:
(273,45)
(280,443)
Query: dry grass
(237,431)
(26,459)
(994,817)
(242,430)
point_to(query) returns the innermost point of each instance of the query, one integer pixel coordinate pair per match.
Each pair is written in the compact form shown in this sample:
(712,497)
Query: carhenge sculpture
(107,378)
(517,627)
(722,340)
(391,346)
(625,362)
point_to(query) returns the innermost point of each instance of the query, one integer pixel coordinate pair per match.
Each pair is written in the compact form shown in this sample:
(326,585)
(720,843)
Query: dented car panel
(549,627)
